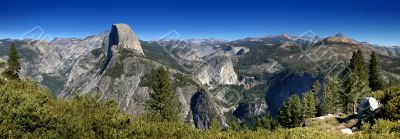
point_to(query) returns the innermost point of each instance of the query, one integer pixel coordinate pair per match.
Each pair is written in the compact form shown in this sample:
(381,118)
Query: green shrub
(381,129)
(392,108)
(390,93)
(22,106)
(29,111)
(3,64)
(97,52)
(182,81)
(379,95)
(116,71)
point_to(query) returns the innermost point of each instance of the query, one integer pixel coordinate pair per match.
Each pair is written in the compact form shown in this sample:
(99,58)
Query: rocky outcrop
(203,110)
(367,107)
(237,50)
(218,70)
(269,66)
(116,71)
(250,110)
(107,70)
(123,36)
(285,85)
(50,62)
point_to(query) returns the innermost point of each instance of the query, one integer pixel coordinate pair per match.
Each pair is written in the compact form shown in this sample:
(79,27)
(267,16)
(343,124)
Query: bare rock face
(122,35)
(218,70)
(271,66)
(50,62)
(116,70)
(250,110)
(203,110)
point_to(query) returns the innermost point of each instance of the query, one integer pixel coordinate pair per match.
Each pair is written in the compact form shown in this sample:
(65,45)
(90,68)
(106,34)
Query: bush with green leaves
(27,110)
(381,129)
(390,93)
(390,100)
(391,109)
(22,106)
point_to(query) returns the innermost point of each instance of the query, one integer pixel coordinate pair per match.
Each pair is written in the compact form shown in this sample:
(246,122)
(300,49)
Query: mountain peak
(340,35)
(340,38)
(122,35)
(285,35)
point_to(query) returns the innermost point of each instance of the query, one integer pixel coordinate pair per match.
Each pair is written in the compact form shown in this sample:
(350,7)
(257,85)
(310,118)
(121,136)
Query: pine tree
(309,103)
(316,87)
(331,102)
(13,63)
(356,82)
(290,114)
(163,101)
(266,122)
(374,82)
(362,68)
(357,66)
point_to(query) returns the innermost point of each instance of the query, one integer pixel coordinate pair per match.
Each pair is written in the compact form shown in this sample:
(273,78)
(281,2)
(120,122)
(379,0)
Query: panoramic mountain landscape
(116,84)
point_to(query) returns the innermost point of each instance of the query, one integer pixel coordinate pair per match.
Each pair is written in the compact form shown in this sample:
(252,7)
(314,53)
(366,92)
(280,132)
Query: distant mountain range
(248,77)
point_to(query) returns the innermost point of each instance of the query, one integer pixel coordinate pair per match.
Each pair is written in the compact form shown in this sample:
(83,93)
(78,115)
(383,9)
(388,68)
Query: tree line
(339,94)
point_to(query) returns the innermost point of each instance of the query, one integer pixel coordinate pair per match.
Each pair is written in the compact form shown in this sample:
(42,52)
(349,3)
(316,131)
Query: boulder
(367,106)
(346,131)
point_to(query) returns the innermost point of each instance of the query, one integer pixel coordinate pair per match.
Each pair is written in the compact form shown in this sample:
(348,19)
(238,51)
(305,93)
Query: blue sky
(374,21)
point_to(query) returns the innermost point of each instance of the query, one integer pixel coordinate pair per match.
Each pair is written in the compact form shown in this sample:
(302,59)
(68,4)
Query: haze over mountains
(245,77)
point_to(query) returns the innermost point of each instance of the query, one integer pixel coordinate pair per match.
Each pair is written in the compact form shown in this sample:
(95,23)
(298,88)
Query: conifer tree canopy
(13,63)
(163,100)
(374,82)
(309,105)
(356,81)
(331,102)
(290,114)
